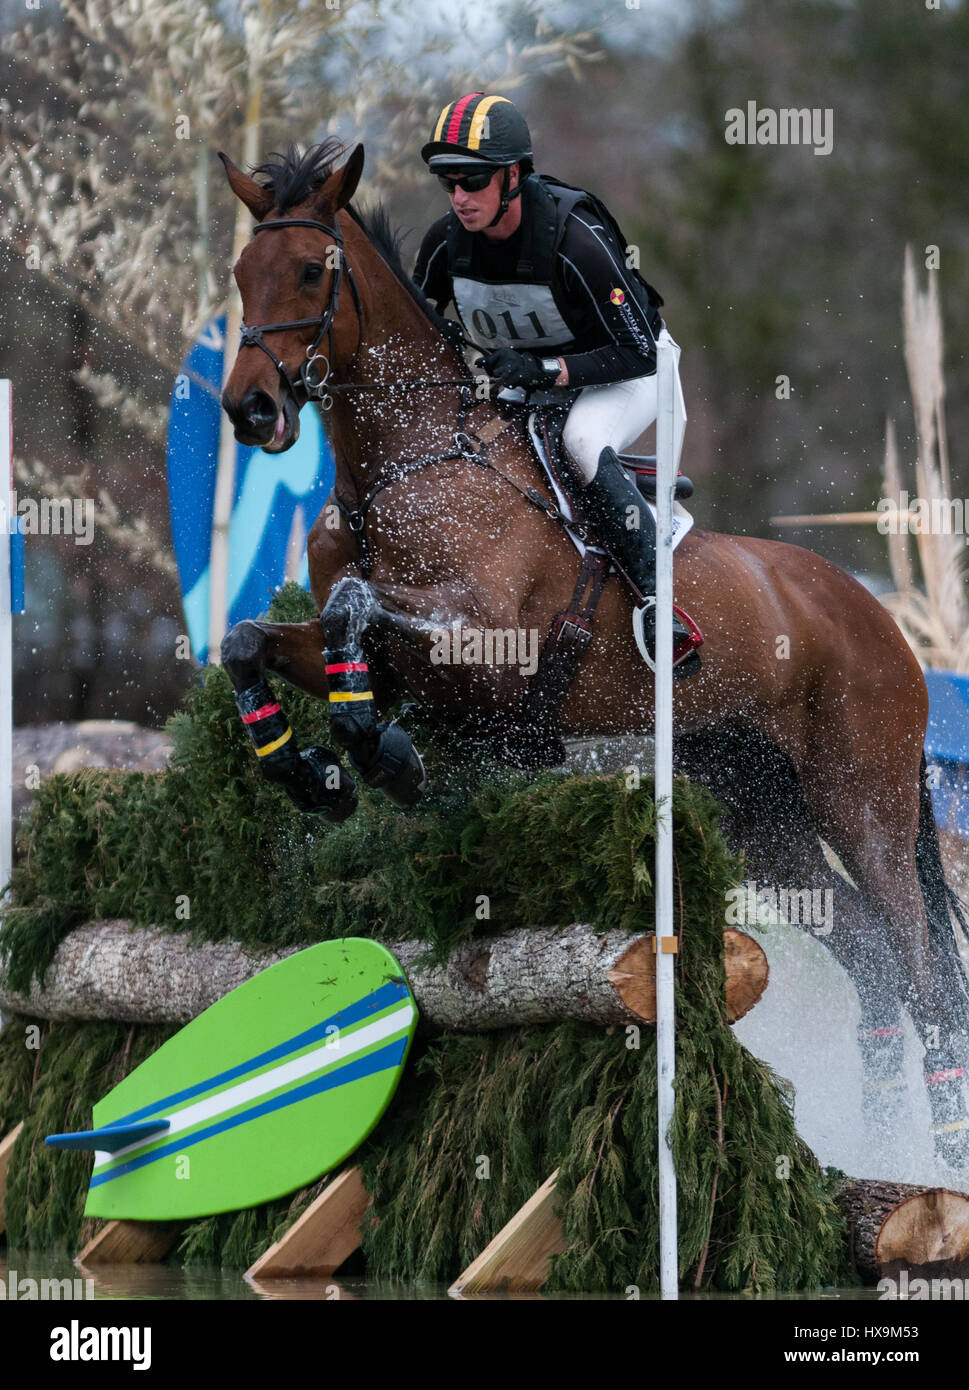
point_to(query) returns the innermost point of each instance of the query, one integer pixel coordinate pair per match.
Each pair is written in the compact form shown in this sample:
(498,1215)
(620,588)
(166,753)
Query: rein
(468,446)
(316,386)
(413,384)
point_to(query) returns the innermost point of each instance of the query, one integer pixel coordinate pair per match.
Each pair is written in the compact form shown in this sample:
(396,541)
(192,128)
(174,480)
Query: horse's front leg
(382,754)
(312,777)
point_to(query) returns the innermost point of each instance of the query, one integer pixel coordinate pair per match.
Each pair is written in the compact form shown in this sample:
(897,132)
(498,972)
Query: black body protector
(561,287)
(547,292)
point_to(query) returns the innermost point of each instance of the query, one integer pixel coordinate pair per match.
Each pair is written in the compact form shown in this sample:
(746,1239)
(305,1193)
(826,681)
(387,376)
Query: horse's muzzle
(259,422)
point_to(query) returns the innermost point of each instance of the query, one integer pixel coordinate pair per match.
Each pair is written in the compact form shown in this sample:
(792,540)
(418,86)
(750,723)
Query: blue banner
(276,500)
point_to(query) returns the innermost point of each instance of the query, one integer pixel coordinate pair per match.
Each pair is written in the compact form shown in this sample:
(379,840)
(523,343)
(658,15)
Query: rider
(539,279)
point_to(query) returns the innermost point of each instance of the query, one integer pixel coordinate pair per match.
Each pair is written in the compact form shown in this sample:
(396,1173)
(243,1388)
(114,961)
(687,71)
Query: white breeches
(615,414)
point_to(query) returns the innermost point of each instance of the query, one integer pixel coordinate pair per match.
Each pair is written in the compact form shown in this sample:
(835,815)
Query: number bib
(514,315)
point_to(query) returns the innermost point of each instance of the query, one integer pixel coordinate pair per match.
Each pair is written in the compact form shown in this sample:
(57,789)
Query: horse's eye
(312,274)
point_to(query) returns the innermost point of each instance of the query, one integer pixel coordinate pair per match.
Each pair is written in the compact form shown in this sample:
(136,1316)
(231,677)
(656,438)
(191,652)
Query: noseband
(313,382)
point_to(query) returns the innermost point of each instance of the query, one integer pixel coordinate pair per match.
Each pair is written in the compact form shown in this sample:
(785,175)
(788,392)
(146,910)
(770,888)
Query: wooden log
(517,1260)
(131,1243)
(745,965)
(320,1240)
(6,1149)
(894,1226)
(927,1234)
(111,970)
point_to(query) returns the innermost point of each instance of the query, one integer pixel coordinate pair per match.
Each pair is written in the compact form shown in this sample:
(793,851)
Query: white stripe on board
(321,1057)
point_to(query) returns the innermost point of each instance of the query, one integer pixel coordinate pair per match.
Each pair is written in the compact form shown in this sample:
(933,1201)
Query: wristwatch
(551,366)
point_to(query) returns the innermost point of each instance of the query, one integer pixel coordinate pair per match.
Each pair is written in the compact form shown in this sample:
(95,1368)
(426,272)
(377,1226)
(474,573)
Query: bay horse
(809,714)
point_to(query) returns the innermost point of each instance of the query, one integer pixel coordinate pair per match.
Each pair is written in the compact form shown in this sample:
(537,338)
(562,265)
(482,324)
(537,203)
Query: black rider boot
(608,502)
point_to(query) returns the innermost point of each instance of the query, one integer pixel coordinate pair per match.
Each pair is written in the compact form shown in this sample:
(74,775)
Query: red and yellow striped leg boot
(312,778)
(382,754)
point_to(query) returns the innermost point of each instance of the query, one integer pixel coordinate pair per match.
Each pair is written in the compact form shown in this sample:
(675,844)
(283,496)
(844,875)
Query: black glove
(511,368)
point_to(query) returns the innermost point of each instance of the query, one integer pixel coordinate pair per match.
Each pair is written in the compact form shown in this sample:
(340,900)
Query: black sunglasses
(470,183)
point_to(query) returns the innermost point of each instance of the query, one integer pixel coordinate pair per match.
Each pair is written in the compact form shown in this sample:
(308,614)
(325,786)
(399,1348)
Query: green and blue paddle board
(264,1092)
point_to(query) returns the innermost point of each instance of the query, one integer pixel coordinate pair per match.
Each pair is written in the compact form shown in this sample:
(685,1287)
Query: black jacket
(559,287)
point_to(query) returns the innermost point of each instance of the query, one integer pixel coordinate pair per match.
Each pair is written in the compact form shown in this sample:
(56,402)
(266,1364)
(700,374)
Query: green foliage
(541,850)
(567,1096)
(578,1099)
(104,844)
(75,1065)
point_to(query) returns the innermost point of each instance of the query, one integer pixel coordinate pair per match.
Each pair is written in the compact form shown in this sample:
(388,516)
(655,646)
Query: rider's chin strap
(506,194)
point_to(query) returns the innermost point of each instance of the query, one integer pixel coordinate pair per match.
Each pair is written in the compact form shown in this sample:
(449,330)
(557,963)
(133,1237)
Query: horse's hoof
(396,768)
(243,654)
(323,786)
(947,1102)
(952,1147)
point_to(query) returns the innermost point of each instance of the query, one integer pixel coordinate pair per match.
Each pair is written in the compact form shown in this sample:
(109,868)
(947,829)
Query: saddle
(571,630)
(546,424)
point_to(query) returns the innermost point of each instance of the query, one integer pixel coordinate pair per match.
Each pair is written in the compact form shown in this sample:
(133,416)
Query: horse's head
(299,305)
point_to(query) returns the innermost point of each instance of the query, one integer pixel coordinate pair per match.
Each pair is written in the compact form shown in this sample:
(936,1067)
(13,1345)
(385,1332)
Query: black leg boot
(617,510)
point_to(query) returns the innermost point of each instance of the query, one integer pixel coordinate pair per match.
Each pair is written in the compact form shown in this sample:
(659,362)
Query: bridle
(467,445)
(313,381)
(318,386)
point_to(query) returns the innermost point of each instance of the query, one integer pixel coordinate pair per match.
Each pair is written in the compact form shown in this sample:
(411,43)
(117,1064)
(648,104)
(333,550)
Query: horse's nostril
(258,408)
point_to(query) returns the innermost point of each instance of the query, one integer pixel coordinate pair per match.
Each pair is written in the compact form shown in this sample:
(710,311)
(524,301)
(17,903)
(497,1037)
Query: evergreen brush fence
(480,1121)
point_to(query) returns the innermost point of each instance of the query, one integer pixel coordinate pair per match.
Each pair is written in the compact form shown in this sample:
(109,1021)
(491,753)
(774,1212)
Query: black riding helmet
(476,132)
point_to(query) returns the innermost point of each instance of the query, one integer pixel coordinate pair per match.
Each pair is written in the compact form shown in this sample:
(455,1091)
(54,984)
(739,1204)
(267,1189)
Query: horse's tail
(939,898)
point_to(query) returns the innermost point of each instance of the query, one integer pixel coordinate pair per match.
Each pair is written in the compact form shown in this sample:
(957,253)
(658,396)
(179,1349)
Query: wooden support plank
(131,1243)
(6,1149)
(323,1237)
(517,1259)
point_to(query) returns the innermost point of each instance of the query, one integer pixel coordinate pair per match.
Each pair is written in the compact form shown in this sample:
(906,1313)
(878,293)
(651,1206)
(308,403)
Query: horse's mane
(293,178)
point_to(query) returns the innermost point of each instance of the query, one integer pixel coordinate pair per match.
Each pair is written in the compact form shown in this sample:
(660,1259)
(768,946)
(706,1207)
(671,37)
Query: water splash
(804,1027)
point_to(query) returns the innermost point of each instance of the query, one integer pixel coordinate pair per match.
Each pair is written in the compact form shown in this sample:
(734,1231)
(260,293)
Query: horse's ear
(342,186)
(257,199)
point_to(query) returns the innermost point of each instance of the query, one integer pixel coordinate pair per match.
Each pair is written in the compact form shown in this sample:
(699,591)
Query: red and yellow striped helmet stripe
(470,112)
(478,121)
(451,117)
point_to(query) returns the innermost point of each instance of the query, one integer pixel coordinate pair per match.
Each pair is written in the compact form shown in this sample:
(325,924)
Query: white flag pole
(670,424)
(6,640)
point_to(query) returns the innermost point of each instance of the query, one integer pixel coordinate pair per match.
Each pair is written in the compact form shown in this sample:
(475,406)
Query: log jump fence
(527,1030)
(114,970)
